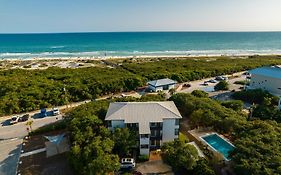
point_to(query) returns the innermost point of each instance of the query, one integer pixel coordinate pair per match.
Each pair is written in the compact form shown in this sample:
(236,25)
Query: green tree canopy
(180,155)
(222,85)
(91,150)
(236,105)
(199,93)
(125,140)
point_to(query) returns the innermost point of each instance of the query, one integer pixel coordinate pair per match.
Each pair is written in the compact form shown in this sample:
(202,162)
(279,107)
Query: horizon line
(148,31)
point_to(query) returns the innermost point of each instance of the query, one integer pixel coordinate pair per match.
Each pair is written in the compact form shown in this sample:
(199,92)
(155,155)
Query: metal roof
(161,82)
(273,71)
(142,113)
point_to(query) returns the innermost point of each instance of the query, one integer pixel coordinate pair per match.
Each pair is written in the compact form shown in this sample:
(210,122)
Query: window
(132,125)
(176,132)
(109,124)
(144,146)
(177,122)
(153,133)
(156,124)
(153,142)
(144,135)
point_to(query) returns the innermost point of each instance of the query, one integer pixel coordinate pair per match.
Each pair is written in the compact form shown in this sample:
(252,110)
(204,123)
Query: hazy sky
(21,16)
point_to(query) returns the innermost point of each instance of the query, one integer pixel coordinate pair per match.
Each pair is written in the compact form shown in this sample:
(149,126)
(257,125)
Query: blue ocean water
(138,44)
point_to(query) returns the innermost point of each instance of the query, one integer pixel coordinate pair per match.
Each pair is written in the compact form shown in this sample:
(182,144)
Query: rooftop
(162,82)
(273,71)
(142,113)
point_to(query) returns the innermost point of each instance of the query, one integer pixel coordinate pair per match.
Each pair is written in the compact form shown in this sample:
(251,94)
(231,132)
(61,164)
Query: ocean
(123,44)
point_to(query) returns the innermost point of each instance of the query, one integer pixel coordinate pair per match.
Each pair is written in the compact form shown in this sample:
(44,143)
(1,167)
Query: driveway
(154,167)
(9,156)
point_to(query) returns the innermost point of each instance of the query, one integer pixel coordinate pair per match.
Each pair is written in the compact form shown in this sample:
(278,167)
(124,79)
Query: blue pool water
(219,144)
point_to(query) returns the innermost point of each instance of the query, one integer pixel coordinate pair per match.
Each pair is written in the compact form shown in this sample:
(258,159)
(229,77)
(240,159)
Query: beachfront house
(155,122)
(161,84)
(267,78)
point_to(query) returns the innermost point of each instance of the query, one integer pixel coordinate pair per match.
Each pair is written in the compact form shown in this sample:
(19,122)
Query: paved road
(4,118)
(9,156)
(19,130)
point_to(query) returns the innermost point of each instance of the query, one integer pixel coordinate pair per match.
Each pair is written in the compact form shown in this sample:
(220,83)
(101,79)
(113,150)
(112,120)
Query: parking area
(9,156)
(209,87)
(154,167)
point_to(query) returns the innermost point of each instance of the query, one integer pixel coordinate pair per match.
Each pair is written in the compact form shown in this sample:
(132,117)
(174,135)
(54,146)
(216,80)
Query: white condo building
(156,122)
(267,78)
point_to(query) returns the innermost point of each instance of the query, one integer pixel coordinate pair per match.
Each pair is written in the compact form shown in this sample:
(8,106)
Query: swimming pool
(219,144)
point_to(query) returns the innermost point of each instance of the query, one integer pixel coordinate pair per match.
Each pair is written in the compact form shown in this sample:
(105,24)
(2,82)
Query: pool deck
(197,134)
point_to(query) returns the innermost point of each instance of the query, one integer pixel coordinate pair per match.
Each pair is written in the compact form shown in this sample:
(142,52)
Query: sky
(55,16)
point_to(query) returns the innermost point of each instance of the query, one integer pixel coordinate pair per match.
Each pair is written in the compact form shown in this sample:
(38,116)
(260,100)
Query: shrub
(236,105)
(60,125)
(199,93)
(179,155)
(241,82)
(222,85)
(256,96)
(143,158)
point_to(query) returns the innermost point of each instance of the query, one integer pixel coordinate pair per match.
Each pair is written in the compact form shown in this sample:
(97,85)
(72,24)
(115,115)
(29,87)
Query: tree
(91,150)
(202,168)
(199,93)
(179,155)
(29,124)
(257,96)
(258,148)
(236,105)
(222,85)
(125,140)
(172,91)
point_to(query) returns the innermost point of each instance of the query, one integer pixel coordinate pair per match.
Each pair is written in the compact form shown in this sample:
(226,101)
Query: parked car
(246,73)
(24,118)
(14,120)
(43,113)
(213,81)
(225,78)
(187,85)
(56,111)
(127,163)
(221,78)
(205,83)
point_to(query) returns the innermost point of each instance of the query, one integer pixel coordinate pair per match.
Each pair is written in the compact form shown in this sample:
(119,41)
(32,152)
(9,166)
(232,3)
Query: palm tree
(29,123)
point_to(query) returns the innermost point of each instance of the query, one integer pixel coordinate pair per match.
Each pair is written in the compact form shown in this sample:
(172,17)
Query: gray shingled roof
(142,113)
(274,72)
(161,82)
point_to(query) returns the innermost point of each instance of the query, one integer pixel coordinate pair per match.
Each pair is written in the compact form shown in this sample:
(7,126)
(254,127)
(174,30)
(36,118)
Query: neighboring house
(161,84)
(267,78)
(155,122)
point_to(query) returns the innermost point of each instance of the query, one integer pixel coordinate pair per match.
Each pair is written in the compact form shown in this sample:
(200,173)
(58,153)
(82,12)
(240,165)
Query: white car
(128,163)
(14,120)
(213,81)
(56,111)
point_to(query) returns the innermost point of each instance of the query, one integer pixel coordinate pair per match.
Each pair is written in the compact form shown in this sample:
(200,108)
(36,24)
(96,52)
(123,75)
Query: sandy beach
(82,62)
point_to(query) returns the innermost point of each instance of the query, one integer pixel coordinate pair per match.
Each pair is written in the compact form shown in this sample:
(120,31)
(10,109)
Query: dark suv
(24,118)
